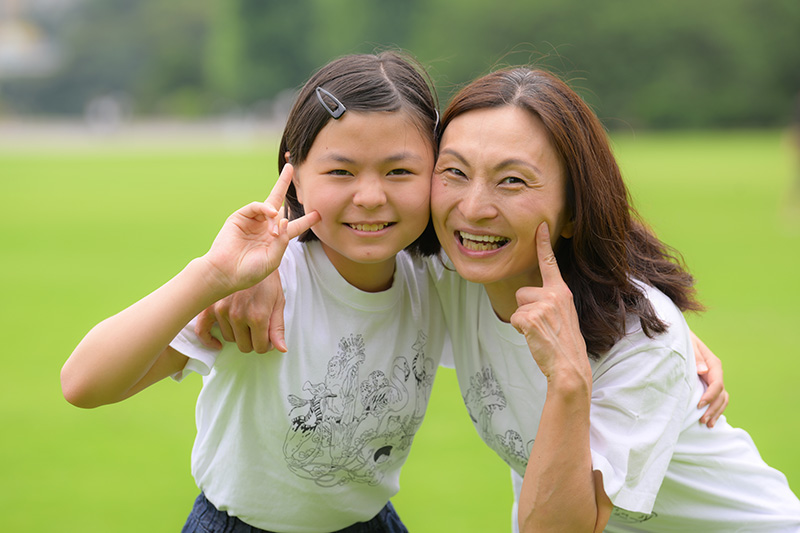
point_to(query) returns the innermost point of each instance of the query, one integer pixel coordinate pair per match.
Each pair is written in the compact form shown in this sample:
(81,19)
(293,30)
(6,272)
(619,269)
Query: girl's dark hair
(611,246)
(388,81)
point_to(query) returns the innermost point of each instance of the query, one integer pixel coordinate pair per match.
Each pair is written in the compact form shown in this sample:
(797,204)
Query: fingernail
(702,404)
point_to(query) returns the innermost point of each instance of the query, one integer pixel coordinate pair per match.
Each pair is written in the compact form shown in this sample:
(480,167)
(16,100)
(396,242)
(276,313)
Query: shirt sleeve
(447,284)
(201,358)
(640,396)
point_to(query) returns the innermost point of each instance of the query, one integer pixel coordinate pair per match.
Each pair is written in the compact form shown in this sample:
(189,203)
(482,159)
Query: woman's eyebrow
(500,166)
(450,151)
(517,162)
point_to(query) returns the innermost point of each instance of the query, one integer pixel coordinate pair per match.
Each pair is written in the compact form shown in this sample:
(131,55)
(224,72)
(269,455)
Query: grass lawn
(85,232)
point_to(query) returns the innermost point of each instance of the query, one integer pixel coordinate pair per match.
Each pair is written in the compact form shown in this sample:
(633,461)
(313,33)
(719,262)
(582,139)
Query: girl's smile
(368,176)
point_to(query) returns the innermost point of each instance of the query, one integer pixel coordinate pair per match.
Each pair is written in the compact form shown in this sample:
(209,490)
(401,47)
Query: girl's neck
(367,277)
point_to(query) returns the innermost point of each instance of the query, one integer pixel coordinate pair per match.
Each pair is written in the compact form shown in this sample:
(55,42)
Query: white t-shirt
(662,469)
(313,440)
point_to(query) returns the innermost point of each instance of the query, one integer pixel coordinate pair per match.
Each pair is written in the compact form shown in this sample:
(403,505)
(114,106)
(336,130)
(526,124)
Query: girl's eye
(339,172)
(399,172)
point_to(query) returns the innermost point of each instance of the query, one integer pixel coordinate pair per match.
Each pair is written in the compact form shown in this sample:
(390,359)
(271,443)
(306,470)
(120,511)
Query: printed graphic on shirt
(630,517)
(485,400)
(349,428)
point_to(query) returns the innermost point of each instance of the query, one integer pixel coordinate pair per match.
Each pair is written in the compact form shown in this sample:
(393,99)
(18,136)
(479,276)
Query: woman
(593,406)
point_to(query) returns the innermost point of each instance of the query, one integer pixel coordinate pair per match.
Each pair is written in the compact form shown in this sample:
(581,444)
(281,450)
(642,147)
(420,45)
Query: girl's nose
(370,193)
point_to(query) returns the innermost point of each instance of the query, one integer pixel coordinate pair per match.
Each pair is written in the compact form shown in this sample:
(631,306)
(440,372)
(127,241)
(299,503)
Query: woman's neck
(503,296)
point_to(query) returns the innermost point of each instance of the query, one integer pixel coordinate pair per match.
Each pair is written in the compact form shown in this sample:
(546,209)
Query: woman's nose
(477,203)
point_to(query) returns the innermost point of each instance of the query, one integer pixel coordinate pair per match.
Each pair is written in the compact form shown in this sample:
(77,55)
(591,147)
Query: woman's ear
(569,229)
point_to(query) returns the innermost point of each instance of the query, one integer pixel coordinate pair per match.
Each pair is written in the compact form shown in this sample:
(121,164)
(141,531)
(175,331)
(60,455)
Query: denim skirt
(205,518)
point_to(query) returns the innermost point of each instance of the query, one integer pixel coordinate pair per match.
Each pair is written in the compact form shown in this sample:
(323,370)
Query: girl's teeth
(368,227)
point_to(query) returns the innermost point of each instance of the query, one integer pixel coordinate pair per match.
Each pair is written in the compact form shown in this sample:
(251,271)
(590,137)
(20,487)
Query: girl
(312,441)
(589,392)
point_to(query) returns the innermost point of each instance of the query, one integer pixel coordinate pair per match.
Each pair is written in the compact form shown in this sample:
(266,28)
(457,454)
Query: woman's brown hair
(611,246)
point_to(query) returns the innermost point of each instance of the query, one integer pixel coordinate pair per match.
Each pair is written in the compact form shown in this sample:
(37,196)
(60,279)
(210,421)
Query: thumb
(299,225)
(276,326)
(202,328)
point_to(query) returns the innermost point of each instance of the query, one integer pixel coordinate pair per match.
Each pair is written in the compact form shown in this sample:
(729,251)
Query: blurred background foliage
(683,63)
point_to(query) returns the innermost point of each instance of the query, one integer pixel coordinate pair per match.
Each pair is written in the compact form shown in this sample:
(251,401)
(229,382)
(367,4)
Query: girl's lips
(370,227)
(480,243)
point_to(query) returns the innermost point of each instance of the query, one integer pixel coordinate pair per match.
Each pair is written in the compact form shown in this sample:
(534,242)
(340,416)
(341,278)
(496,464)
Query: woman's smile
(480,243)
(497,178)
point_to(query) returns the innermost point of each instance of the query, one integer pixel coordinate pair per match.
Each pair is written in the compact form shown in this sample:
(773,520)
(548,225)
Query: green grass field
(85,232)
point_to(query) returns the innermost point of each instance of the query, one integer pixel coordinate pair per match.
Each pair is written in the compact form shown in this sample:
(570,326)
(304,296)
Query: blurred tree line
(682,63)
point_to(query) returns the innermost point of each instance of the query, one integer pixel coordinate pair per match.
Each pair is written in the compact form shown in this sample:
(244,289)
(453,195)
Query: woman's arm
(252,318)
(709,367)
(129,351)
(560,491)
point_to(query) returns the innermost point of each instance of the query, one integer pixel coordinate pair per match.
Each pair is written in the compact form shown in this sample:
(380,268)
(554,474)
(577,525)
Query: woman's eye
(339,172)
(512,180)
(454,172)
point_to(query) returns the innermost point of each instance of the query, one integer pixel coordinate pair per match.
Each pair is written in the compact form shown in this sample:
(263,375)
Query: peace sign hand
(252,241)
(546,316)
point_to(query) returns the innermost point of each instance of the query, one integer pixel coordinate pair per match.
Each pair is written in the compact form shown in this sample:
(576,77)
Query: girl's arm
(560,491)
(129,351)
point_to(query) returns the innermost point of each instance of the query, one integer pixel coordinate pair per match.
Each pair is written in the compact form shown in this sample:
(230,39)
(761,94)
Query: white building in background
(25,50)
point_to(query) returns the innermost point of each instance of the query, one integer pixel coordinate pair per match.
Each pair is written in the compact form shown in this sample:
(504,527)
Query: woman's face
(497,178)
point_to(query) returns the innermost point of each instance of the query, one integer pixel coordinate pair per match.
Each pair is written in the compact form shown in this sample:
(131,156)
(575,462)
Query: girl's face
(368,175)
(497,178)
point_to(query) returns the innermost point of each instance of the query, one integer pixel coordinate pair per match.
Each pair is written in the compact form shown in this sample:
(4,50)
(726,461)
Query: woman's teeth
(368,227)
(481,243)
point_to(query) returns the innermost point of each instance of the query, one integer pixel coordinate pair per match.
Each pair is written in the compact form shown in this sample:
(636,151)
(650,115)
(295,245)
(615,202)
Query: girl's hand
(252,241)
(709,367)
(547,317)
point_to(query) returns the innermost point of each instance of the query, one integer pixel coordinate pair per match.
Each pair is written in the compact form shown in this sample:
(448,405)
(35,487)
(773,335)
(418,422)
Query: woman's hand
(252,241)
(560,491)
(709,367)
(546,316)
(252,318)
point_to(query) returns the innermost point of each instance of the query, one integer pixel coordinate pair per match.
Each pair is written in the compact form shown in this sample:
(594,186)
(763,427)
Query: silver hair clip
(340,108)
(436,125)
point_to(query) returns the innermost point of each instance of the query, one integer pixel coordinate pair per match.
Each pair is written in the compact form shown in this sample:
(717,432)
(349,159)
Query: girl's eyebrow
(401,156)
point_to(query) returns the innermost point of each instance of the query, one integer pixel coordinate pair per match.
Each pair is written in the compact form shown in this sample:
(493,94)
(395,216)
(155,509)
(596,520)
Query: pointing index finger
(548,266)
(278,192)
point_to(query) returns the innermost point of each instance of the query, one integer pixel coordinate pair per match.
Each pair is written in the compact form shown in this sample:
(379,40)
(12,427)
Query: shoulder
(671,350)
(664,308)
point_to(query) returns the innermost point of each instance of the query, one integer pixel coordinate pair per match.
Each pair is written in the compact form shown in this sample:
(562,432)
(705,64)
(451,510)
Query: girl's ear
(296,182)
